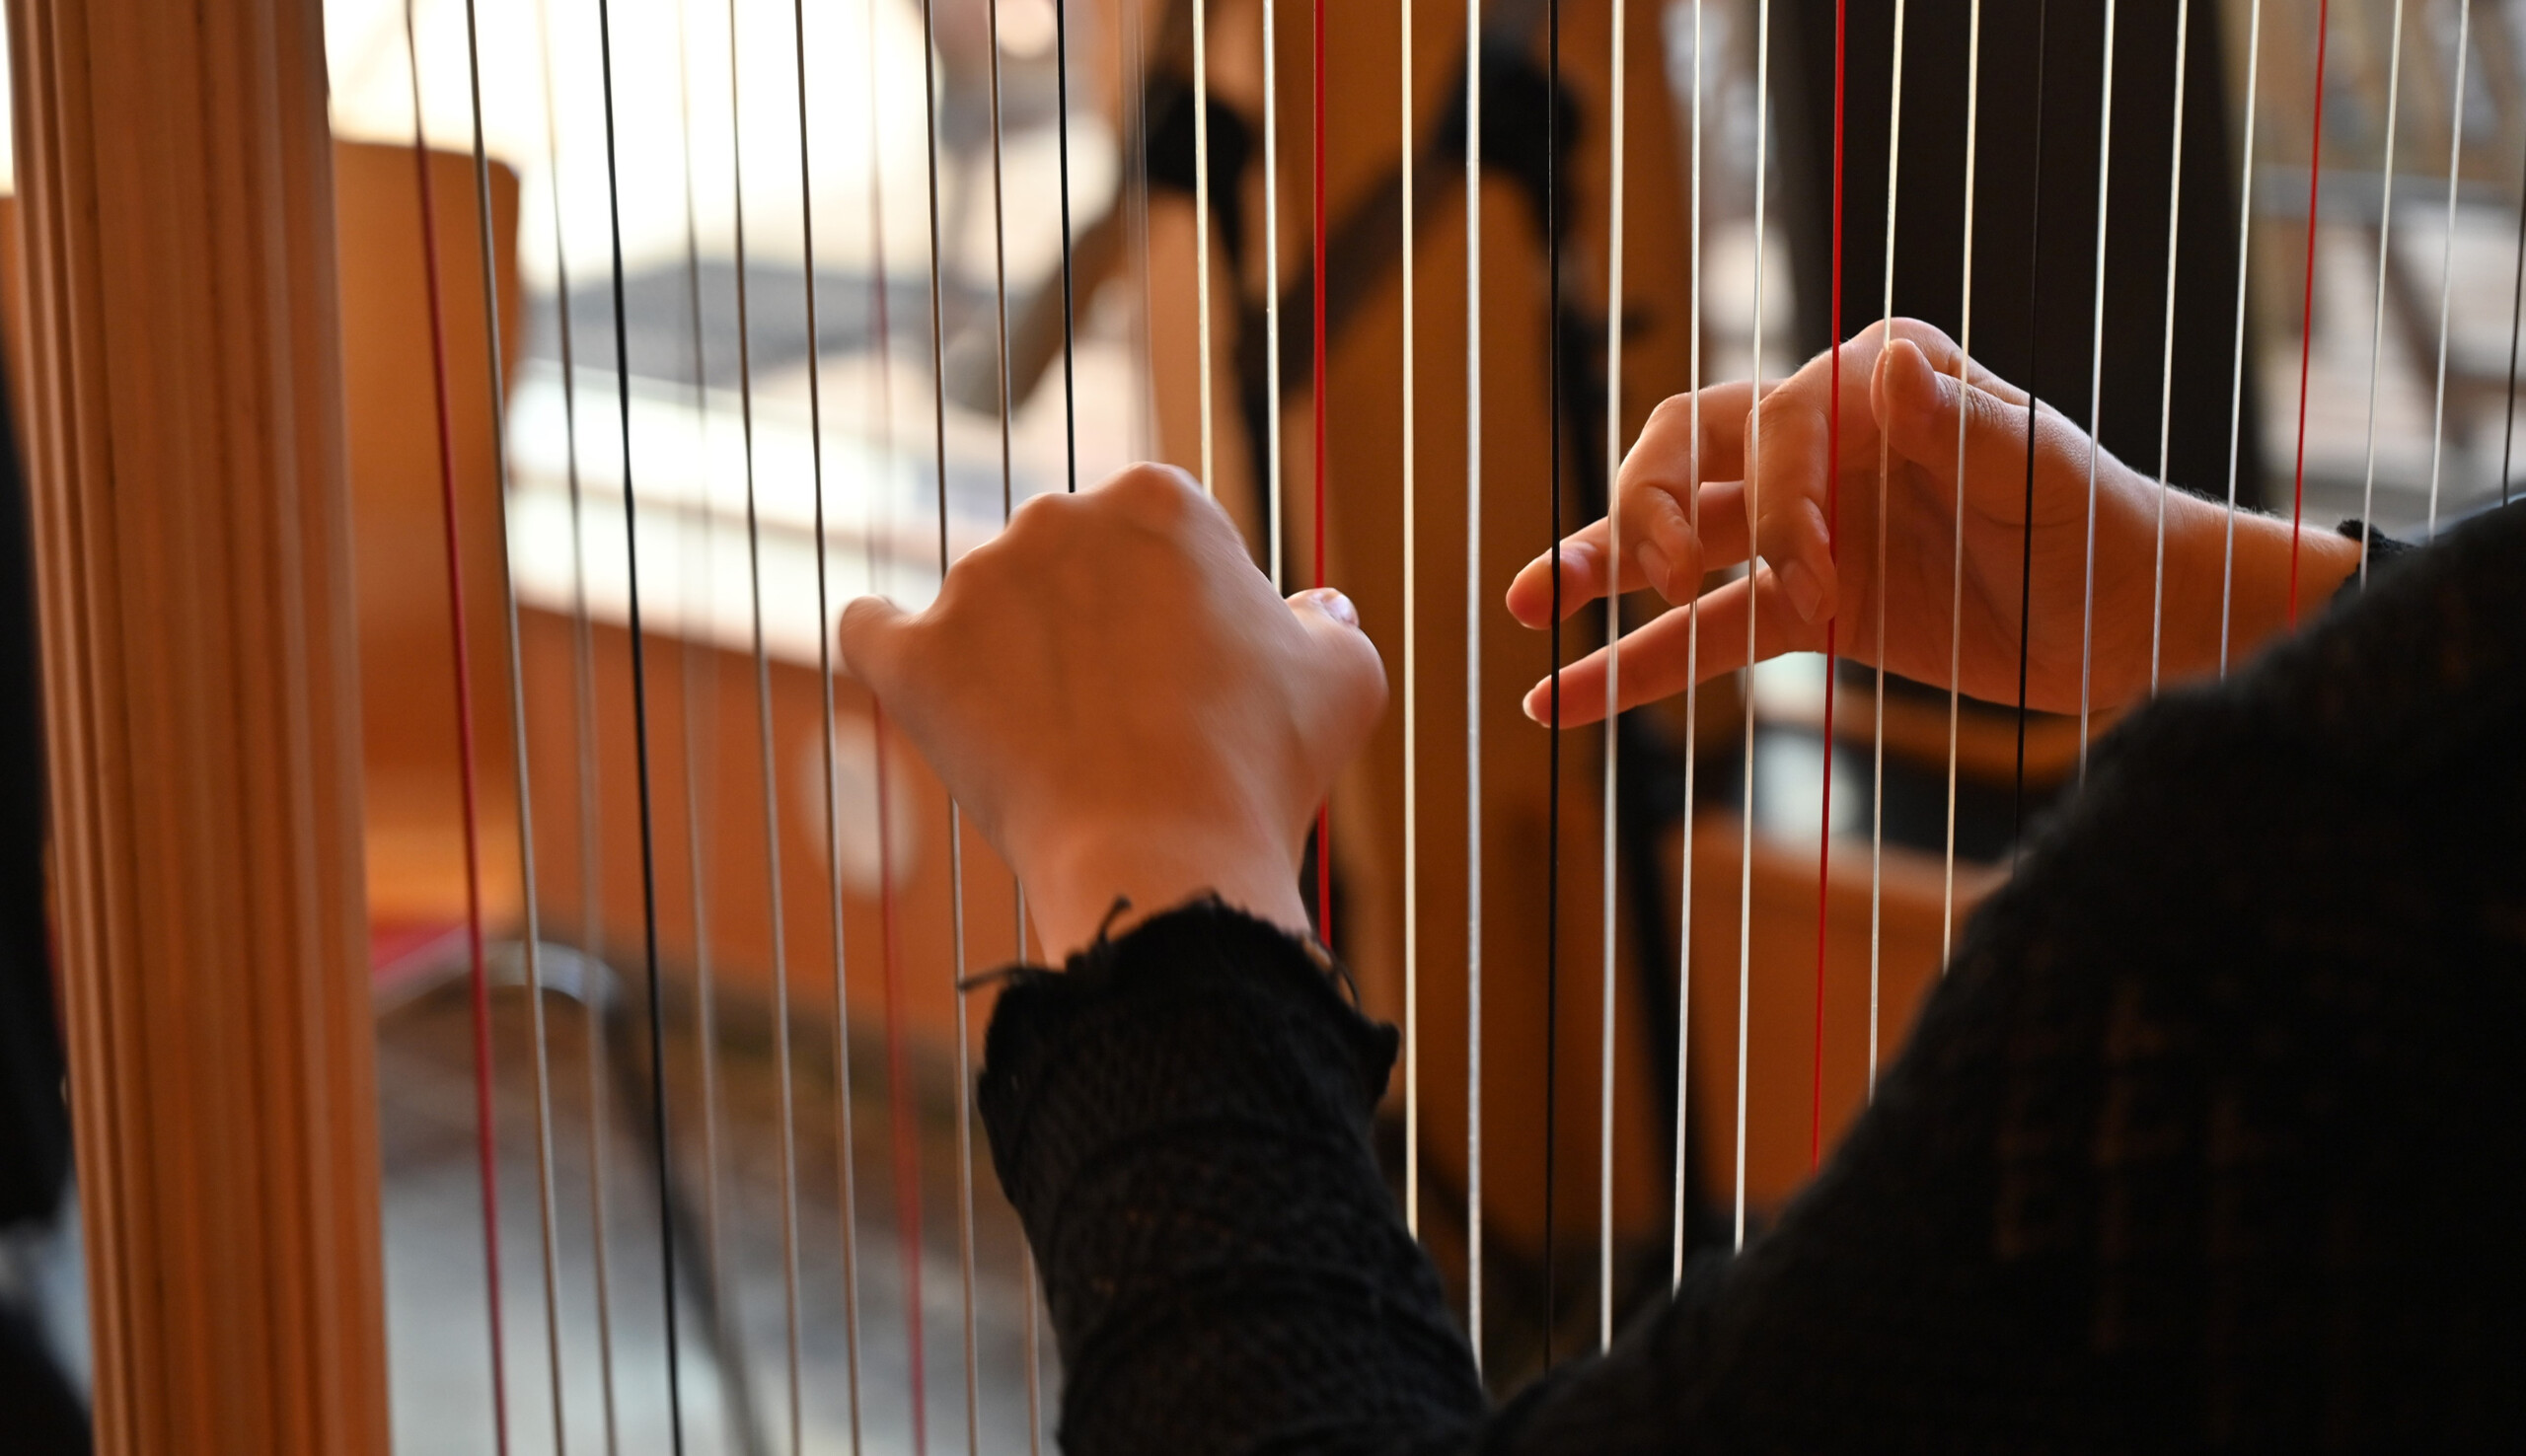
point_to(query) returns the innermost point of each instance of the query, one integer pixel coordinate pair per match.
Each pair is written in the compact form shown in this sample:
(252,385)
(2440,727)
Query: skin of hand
(1123,706)
(1900,402)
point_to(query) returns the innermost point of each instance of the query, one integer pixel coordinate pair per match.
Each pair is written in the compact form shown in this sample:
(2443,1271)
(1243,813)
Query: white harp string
(2385,239)
(1411,671)
(1201,226)
(955,815)
(583,729)
(1964,411)
(964,1049)
(2237,364)
(2166,356)
(780,1041)
(2095,390)
(874,528)
(1473,600)
(2447,261)
(1877,773)
(700,671)
(1754,582)
(1692,694)
(1614,691)
(547,1226)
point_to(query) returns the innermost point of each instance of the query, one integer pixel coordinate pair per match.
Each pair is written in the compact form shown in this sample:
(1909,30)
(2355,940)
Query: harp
(394,655)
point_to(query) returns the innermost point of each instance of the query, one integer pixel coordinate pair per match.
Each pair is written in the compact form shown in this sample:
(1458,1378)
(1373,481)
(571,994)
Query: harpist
(2214,1137)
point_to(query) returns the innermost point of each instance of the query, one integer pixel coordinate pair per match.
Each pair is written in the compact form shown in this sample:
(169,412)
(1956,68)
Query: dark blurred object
(35,1122)
(41,1413)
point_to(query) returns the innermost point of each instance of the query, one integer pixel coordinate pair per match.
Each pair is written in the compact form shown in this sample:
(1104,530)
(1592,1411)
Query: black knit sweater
(2213,1138)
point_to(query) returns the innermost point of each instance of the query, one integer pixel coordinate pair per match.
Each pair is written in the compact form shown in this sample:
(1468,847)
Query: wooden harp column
(188,484)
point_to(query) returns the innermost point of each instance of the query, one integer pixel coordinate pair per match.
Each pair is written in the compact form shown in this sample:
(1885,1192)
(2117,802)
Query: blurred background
(795,436)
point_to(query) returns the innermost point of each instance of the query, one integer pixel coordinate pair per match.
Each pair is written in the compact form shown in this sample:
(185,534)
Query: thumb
(1350,690)
(1917,405)
(871,639)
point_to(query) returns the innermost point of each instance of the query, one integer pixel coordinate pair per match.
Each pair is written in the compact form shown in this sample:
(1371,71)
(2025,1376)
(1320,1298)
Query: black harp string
(545,1192)
(1552,784)
(658,1118)
(2033,342)
(777,905)
(583,727)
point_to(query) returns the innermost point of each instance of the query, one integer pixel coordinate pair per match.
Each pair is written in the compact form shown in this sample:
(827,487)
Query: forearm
(1182,1119)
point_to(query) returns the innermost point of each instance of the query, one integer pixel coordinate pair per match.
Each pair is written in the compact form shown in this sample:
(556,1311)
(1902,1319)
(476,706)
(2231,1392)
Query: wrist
(1072,887)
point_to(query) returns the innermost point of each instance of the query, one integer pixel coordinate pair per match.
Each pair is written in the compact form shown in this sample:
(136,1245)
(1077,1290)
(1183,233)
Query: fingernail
(1533,705)
(1657,566)
(1334,605)
(1805,593)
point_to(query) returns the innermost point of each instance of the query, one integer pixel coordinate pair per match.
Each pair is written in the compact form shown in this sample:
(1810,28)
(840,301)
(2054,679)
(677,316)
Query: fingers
(872,636)
(1663,658)
(1587,571)
(1585,557)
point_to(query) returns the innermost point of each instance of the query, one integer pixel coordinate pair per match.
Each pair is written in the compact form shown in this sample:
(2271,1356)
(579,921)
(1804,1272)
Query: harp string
(964,1073)
(1614,693)
(1877,771)
(1323,811)
(1963,399)
(2307,313)
(547,1227)
(2447,258)
(2516,324)
(2096,389)
(1272,471)
(1552,781)
(907,1151)
(1027,1274)
(701,681)
(1201,226)
(1070,339)
(659,1122)
(2034,406)
(2166,356)
(2237,364)
(477,975)
(1832,625)
(2385,238)
(1692,694)
(878,520)
(583,725)
(1473,669)
(1754,580)
(780,1041)
(1411,669)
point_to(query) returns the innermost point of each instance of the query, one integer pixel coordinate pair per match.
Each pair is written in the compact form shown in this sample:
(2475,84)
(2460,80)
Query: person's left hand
(1121,705)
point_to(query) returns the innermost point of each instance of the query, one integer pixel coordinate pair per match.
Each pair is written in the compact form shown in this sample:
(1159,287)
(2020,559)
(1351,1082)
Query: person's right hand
(1900,407)
(1122,705)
